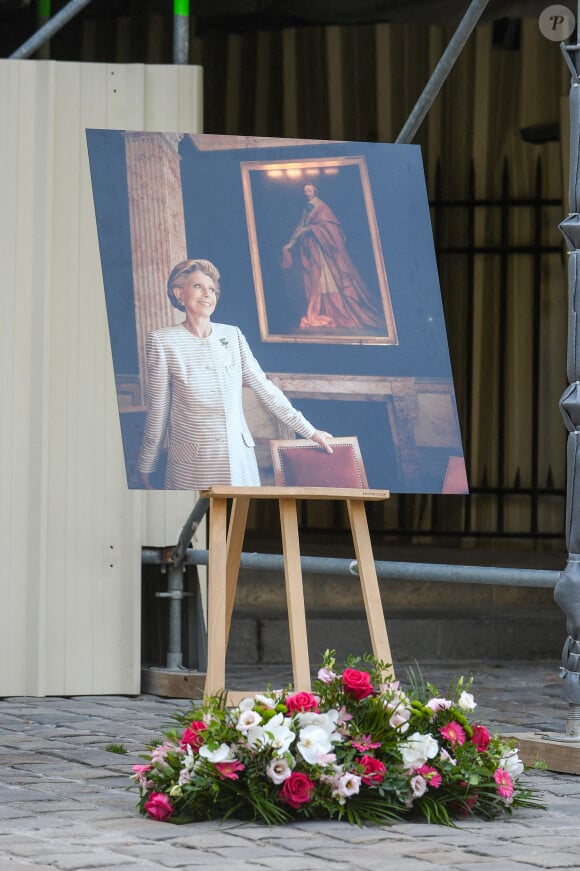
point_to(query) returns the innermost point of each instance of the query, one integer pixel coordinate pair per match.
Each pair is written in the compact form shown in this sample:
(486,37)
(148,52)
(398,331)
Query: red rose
(299,702)
(374,770)
(158,806)
(192,736)
(357,683)
(297,789)
(480,737)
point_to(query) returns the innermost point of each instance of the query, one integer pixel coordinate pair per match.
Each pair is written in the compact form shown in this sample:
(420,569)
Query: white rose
(512,763)
(417,749)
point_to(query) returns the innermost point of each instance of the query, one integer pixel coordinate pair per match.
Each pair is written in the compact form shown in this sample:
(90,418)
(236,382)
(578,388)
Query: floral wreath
(359,748)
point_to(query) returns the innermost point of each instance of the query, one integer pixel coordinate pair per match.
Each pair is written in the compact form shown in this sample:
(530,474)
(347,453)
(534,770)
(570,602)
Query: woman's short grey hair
(181,274)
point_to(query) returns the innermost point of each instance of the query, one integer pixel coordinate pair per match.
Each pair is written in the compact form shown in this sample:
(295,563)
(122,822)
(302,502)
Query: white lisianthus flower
(512,763)
(184,776)
(159,754)
(399,717)
(313,741)
(222,754)
(265,701)
(437,704)
(444,756)
(246,705)
(348,784)
(279,770)
(418,786)
(247,720)
(333,778)
(417,749)
(466,702)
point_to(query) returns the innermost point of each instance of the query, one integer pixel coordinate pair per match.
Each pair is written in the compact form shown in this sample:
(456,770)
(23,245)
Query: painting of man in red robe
(335,292)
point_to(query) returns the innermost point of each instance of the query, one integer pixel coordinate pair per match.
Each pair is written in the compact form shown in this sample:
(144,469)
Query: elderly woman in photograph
(195,373)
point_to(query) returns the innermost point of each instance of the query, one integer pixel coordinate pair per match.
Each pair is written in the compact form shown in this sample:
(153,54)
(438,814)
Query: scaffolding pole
(51,27)
(441,71)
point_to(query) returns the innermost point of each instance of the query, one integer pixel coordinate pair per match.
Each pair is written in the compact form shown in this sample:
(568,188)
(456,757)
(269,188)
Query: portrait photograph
(274,313)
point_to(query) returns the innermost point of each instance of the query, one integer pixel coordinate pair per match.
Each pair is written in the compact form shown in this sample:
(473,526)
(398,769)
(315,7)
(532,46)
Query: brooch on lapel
(224,342)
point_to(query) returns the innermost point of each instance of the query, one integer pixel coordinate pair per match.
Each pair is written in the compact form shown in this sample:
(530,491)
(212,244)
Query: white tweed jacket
(194,402)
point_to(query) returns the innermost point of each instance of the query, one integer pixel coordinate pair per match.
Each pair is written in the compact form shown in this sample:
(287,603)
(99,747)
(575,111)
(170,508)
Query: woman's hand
(321,438)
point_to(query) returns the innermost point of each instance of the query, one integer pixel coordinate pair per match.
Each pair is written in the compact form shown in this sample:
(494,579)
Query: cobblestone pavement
(64,804)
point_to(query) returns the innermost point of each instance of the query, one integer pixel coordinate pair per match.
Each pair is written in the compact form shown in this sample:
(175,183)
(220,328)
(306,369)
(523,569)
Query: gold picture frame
(270,191)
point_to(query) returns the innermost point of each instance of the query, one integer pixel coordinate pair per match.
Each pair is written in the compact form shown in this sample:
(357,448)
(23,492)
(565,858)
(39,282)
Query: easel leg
(236,532)
(295,595)
(369,581)
(216,604)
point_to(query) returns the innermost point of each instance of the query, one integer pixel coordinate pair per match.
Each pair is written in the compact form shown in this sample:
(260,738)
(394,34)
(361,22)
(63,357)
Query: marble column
(157,228)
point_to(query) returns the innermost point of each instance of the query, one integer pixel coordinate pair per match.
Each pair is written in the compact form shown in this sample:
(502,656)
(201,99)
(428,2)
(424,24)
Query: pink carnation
(453,732)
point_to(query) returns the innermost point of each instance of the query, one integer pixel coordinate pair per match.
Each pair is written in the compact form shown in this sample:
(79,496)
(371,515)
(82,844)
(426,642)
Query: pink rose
(480,737)
(158,806)
(357,683)
(192,735)
(298,789)
(374,770)
(300,702)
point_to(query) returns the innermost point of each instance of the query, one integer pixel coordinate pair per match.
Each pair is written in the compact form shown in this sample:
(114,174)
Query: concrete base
(261,636)
(548,750)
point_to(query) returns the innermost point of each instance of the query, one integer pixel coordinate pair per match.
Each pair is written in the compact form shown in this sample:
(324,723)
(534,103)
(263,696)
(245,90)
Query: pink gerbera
(229,769)
(453,732)
(505,784)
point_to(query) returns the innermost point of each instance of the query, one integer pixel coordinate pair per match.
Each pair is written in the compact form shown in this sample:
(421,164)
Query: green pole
(43,12)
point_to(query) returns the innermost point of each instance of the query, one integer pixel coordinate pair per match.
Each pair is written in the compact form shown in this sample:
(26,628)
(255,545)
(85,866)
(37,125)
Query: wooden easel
(225,549)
